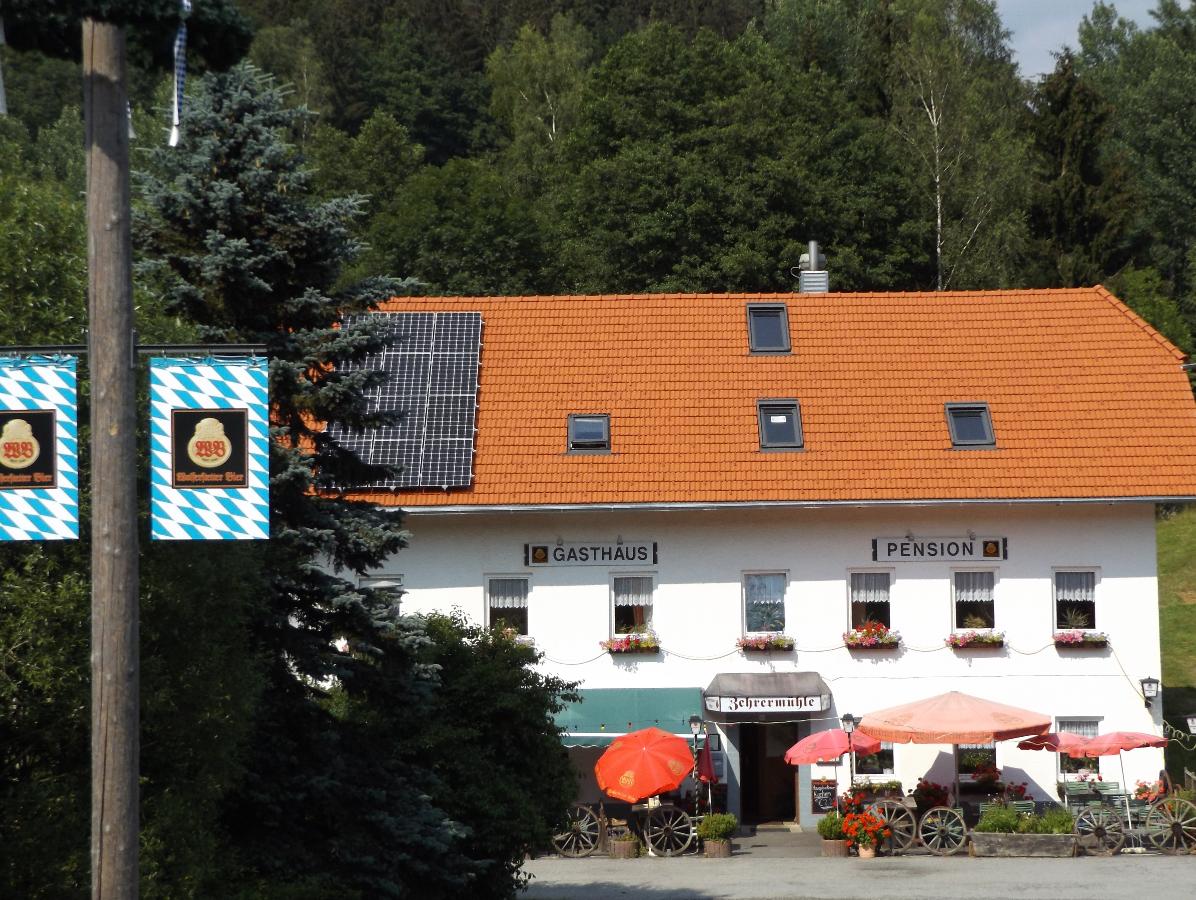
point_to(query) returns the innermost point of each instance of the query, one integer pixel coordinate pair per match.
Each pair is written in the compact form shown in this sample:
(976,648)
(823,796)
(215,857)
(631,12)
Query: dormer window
(589,434)
(768,328)
(780,424)
(970,425)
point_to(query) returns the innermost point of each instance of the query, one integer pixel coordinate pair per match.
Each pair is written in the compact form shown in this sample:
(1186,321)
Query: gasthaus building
(707,468)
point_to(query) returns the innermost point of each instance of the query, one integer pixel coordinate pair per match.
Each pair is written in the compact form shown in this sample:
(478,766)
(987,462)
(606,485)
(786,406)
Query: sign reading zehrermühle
(39,479)
(209,449)
(951,549)
(815,703)
(595,554)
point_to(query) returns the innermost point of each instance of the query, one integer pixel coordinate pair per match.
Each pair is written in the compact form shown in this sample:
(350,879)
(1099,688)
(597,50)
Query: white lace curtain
(974,587)
(766,590)
(633,590)
(869,587)
(508,593)
(1075,586)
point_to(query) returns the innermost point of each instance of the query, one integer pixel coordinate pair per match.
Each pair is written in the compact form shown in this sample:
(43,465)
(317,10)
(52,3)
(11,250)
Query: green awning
(605,713)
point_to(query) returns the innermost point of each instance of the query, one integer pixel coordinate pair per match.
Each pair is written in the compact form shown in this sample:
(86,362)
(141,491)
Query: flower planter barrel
(623,849)
(717,849)
(834,848)
(1004,845)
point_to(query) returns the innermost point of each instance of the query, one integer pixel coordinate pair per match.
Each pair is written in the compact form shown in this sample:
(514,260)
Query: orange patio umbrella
(643,764)
(828,746)
(1057,742)
(953,718)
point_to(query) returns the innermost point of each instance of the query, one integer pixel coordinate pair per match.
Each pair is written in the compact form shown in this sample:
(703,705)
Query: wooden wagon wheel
(669,831)
(900,821)
(1171,825)
(942,831)
(1104,825)
(581,832)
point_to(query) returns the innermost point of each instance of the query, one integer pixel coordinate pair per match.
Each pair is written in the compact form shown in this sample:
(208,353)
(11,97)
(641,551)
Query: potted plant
(643,642)
(830,829)
(716,831)
(872,636)
(623,844)
(1074,639)
(864,831)
(928,794)
(976,639)
(764,642)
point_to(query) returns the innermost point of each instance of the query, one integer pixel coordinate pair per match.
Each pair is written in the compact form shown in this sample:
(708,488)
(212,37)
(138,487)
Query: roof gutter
(782,504)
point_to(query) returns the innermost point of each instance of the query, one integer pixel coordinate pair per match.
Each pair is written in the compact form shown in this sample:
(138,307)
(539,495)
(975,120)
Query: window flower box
(972,640)
(1081,639)
(764,643)
(872,636)
(632,643)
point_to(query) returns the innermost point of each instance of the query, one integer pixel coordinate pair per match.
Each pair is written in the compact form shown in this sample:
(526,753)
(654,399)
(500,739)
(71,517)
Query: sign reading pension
(951,549)
(39,476)
(589,554)
(209,449)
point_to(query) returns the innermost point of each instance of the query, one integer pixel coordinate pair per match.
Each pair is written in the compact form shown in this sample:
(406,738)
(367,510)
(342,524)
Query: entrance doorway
(769,784)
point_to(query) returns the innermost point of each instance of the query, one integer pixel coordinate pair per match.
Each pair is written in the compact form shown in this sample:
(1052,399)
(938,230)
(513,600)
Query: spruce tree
(234,242)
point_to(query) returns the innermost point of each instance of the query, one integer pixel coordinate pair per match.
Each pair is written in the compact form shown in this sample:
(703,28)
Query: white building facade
(1022,561)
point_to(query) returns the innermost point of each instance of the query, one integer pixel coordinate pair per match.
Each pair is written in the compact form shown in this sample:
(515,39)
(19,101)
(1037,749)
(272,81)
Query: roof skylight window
(768,328)
(970,425)
(780,424)
(589,434)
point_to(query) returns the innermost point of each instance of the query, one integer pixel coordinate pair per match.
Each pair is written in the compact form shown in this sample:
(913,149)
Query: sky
(1040,26)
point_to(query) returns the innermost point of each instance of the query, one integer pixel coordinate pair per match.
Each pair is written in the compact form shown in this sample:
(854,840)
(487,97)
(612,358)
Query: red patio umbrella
(828,746)
(1115,742)
(1057,742)
(643,764)
(706,765)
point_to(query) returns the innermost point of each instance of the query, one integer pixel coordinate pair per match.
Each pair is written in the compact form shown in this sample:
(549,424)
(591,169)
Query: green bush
(1058,821)
(718,827)
(830,827)
(999,820)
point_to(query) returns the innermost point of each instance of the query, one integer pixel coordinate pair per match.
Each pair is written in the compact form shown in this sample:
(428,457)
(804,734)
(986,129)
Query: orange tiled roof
(1087,400)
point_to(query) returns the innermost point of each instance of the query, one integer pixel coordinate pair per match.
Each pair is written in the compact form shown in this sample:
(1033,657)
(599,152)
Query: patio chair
(1023,807)
(1104,788)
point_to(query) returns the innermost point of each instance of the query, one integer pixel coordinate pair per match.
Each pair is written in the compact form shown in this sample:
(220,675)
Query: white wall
(698,608)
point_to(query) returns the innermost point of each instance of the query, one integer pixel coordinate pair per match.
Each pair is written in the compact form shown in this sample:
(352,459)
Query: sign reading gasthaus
(39,476)
(596,554)
(952,549)
(209,449)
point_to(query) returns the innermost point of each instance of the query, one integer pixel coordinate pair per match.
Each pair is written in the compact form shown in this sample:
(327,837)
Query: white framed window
(1084,726)
(632,598)
(764,602)
(1075,599)
(869,594)
(879,763)
(506,602)
(972,600)
(974,759)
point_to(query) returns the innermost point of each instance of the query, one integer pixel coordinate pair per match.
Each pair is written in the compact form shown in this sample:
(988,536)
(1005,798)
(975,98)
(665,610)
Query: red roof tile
(1087,400)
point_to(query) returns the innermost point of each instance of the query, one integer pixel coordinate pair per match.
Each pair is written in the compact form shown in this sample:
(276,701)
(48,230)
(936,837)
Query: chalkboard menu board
(822,795)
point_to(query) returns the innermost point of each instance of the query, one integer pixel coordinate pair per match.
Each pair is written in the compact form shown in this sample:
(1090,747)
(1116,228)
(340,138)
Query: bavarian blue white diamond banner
(209,449)
(39,457)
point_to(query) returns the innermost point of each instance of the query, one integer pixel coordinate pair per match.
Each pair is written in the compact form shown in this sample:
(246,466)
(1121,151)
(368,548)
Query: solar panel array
(433,381)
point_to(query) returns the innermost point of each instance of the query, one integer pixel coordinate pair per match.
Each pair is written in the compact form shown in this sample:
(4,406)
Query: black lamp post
(1150,690)
(849,723)
(695,728)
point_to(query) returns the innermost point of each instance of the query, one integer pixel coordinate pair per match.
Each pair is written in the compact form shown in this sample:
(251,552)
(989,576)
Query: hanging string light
(180,70)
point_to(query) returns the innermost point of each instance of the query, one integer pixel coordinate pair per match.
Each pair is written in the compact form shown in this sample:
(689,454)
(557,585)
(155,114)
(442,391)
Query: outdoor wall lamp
(849,722)
(695,725)
(1191,717)
(1150,690)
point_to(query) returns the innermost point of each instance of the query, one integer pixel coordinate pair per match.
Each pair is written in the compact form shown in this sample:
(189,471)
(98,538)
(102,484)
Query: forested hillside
(497,147)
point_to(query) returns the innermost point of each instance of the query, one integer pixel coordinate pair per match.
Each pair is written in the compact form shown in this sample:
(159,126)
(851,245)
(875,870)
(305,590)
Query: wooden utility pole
(115,655)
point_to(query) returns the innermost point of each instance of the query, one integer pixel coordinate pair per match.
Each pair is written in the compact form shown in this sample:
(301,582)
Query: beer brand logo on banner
(210,450)
(39,479)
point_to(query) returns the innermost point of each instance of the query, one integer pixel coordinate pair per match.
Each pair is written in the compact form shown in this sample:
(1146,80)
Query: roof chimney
(813,277)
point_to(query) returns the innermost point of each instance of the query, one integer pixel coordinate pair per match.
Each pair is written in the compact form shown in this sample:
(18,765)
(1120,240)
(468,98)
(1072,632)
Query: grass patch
(1176,534)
